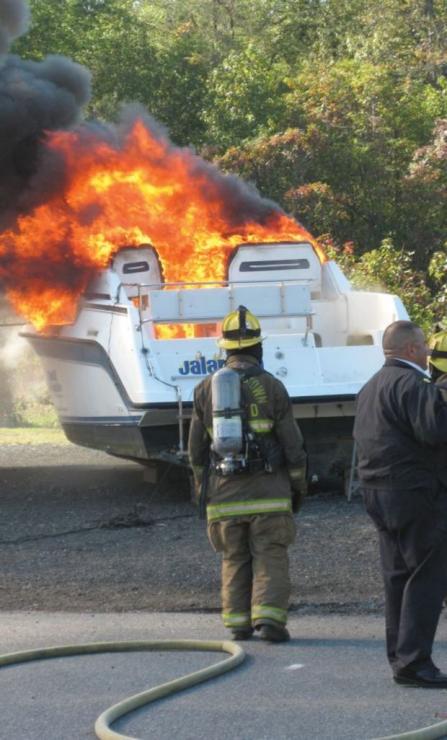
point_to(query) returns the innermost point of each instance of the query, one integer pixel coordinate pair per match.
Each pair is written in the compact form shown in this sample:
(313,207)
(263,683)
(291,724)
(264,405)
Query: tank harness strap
(263,446)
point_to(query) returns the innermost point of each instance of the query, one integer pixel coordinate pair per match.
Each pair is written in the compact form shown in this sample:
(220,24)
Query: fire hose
(103,724)
(432,732)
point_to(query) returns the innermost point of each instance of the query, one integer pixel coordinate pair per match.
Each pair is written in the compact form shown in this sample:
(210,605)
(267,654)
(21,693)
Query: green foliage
(424,191)
(32,436)
(437,272)
(114,39)
(29,413)
(320,209)
(180,89)
(245,96)
(365,143)
(272,162)
(389,269)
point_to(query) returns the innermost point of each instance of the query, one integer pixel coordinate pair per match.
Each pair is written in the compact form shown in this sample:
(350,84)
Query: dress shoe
(427,678)
(274,633)
(242,634)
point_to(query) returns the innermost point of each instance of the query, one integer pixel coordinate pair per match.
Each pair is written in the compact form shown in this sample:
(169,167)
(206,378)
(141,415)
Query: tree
(273,163)
(245,97)
(371,120)
(181,86)
(425,193)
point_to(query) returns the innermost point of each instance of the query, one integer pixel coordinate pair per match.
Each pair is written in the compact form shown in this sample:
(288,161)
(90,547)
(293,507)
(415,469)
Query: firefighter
(249,497)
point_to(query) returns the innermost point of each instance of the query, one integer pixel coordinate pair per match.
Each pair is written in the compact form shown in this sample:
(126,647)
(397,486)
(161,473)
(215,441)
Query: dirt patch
(80,530)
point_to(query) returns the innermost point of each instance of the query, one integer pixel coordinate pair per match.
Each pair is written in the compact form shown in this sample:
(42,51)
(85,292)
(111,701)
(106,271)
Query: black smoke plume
(35,97)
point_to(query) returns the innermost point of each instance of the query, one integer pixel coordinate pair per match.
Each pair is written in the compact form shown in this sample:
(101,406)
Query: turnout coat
(269,411)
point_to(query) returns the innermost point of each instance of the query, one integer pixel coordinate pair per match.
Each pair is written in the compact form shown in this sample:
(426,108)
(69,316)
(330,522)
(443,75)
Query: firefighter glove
(298,484)
(196,486)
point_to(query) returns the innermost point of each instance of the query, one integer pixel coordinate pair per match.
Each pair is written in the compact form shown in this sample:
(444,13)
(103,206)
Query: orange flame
(147,191)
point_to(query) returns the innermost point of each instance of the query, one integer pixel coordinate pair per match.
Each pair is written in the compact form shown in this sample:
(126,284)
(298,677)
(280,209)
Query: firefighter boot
(242,633)
(273,632)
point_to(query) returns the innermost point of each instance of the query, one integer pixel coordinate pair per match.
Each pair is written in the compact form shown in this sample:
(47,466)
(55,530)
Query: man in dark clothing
(249,512)
(400,429)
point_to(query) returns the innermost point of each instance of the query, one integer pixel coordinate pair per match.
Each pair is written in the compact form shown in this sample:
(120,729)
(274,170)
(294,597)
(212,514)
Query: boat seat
(271,301)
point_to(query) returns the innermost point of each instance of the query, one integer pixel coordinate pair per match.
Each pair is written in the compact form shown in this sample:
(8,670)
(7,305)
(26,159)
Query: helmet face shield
(240,329)
(438,356)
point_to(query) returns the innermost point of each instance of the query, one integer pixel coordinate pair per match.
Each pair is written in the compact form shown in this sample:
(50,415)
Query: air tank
(226,405)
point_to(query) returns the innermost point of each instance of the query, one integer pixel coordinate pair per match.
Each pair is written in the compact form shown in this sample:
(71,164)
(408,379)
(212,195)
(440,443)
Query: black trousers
(412,527)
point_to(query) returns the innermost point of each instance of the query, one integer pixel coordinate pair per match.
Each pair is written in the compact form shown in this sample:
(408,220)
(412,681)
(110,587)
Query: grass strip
(32,436)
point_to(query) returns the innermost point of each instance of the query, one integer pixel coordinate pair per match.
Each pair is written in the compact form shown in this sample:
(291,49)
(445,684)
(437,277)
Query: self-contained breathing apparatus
(236,448)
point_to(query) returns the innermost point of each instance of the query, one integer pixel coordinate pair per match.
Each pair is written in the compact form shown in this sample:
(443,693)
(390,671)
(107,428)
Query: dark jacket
(269,413)
(400,427)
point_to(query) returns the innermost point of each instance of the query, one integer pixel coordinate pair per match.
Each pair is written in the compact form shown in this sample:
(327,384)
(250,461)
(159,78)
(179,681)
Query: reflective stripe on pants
(250,507)
(270,613)
(234,620)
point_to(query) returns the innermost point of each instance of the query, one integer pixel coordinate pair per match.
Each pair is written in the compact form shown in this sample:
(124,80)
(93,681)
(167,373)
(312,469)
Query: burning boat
(122,375)
(126,269)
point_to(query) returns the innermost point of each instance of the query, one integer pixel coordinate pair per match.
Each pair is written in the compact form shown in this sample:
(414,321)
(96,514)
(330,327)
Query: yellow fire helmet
(438,357)
(240,329)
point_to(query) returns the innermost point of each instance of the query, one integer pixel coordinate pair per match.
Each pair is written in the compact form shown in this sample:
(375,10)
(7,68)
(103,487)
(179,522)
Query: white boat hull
(118,387)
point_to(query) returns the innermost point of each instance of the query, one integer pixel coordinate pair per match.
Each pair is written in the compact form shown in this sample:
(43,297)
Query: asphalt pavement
(330,681)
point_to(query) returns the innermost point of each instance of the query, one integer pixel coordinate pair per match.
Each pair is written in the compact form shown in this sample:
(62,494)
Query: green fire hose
(103,723)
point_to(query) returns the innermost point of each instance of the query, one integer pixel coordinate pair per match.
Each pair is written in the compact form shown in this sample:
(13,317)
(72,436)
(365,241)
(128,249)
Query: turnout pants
(412,527)
(255,567)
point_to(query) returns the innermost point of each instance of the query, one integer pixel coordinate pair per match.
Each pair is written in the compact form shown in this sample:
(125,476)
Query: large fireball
(143,190)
